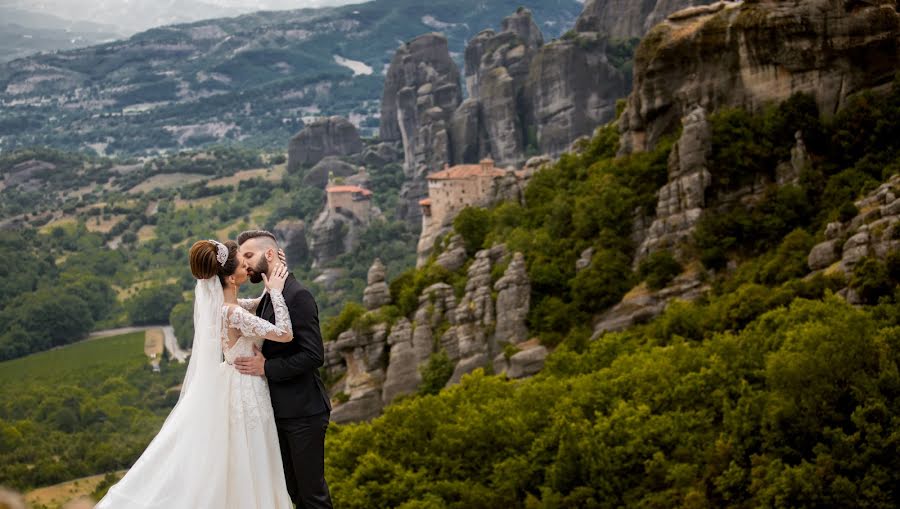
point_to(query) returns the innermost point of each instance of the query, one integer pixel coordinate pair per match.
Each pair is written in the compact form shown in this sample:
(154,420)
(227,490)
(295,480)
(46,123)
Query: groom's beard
(256,272)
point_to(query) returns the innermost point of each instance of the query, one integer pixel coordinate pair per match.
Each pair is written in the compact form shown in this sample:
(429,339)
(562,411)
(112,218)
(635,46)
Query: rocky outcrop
(333,234)
(874,232)
(467,130)
(421,92)
(486,327)
(624,19)
(291,235)
(640,305)
(524,360)
(453,257)
(318,175)
(573,88)
(358,358)
(513,302)
(752,54)
(411,350)
(329,136)
(528,96)
(681,201)
(403,376)
(525,97)
(377,293)
(381,154)
(496,69)
(468,341)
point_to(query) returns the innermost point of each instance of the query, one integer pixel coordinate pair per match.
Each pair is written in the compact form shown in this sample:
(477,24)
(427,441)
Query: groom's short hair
(253,234)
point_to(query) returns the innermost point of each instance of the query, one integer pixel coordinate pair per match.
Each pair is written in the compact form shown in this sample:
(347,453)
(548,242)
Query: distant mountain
(24,33)
(132,16)
(250,78)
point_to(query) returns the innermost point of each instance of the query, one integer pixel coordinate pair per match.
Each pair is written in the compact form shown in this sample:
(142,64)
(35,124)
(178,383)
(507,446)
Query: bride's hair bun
(204,264)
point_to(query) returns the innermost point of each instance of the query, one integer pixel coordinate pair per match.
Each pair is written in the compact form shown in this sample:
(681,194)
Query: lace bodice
(243,329)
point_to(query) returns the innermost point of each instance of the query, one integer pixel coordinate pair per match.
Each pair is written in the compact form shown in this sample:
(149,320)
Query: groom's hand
(255,365)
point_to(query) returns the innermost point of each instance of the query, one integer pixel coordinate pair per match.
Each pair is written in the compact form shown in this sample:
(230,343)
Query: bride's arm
(251,325)
(250,304)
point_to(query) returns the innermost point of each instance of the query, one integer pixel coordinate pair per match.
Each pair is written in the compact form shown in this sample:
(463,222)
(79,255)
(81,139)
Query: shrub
(871,280)
(436,373)
(343,321)
(603,283)
(658,269)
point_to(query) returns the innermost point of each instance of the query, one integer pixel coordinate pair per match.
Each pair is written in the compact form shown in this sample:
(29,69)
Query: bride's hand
(282,257)
(276,280)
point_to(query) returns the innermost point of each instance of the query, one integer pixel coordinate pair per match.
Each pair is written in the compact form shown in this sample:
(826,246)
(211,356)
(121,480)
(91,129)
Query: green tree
(181,318)
(473,224)
(153,305)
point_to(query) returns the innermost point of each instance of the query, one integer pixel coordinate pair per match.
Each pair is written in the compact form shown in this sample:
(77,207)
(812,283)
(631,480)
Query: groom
(301,405)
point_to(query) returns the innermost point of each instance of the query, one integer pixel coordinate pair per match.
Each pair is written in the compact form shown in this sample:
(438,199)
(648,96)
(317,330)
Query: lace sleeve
(251,325)
(250,304)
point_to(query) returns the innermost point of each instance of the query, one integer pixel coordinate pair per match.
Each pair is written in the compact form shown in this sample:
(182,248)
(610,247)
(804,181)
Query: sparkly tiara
(221,252)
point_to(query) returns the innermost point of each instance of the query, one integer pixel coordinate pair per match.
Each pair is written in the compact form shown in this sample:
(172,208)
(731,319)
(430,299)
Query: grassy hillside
(81,409)
(112,355)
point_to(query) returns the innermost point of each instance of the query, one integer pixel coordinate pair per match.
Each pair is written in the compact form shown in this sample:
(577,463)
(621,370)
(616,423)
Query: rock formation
(496,69)
(572,89)
(333,233)
(291,236)
(358,359)
(641,305)
(485,327)
(421,92)
(624,19)
(874,232)
(524,97)
(513,302)
(380,154)
(377,293)
(329,136)
(328,166)
(453,257)
(681,201)
(752,54)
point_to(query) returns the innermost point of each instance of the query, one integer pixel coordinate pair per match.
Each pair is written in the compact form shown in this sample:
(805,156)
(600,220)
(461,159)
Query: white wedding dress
(218,448)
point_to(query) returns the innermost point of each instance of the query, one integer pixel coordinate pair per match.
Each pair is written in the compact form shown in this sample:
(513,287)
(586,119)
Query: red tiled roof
(349,189)
(464,171)
(426,201)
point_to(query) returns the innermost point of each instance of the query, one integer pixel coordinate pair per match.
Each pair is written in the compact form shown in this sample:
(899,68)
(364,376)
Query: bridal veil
(185,466)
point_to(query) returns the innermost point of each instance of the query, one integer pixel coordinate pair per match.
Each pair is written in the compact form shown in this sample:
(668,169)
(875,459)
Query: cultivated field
(79,357)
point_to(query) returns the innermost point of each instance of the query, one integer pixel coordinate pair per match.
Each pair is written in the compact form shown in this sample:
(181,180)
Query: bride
(218,448)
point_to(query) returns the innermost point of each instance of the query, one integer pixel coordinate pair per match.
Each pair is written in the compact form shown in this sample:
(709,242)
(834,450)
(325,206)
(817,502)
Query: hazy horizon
(130,16)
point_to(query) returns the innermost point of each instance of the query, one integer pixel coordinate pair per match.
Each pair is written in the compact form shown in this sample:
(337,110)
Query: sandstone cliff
(525,97)
(624,19)
(573,88)
(330,136)
(421,92)
(752,54)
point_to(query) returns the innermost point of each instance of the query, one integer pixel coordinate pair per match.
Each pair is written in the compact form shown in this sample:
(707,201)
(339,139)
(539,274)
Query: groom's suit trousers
(302,441)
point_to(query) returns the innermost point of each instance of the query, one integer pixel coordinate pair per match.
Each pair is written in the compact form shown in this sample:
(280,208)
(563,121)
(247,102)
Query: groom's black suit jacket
(293,368)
